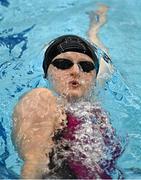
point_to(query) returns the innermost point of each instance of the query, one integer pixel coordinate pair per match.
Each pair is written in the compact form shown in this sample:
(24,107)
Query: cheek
(60,78)
(89,81)
(59,81)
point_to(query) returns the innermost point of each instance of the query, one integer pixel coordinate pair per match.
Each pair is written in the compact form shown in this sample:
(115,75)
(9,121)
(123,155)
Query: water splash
(91,143)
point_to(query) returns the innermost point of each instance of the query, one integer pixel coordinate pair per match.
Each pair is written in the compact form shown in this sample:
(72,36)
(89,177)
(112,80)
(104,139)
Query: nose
(75,70)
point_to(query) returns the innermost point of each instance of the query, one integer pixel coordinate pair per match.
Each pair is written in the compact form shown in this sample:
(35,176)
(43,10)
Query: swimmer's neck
(72,100)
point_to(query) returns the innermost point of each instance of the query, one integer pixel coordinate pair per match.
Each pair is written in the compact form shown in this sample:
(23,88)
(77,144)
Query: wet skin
(72,83)
(37,115)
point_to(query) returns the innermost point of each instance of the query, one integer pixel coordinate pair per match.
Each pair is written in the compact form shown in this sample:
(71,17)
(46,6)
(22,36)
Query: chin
(72,94)
(75,95)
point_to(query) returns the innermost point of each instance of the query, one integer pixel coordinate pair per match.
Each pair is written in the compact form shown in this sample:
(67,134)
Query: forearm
(36,163)
(34,149)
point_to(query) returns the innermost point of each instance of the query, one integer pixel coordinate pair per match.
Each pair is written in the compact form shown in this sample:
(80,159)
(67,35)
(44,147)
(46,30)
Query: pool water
(27,26)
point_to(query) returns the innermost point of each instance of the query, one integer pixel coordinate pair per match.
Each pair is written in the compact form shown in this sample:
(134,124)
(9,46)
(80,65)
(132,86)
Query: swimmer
(60,133)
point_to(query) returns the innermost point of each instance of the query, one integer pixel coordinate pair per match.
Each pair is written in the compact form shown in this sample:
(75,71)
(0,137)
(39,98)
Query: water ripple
(3,155)
(4,3)
(10,41)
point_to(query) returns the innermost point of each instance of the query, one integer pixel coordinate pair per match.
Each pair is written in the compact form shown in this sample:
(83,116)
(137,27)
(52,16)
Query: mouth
(74,83)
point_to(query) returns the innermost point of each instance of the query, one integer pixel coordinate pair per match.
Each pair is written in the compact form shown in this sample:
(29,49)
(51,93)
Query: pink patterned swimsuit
(85,156)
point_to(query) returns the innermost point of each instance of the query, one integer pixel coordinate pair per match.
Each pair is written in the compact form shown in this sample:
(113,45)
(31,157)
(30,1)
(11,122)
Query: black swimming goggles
(63,64)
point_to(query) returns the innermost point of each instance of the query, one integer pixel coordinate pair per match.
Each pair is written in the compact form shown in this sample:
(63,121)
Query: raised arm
(35,119)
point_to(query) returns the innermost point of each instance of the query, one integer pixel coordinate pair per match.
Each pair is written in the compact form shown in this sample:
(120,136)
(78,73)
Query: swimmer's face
(72,82)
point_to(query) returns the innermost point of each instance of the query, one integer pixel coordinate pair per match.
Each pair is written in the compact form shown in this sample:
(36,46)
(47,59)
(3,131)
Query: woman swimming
(60,133)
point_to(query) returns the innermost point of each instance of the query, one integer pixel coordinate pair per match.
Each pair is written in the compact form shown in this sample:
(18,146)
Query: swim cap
(68,43)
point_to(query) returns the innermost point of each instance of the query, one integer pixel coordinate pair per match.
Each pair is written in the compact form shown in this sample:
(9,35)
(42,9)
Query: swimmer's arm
(35,119)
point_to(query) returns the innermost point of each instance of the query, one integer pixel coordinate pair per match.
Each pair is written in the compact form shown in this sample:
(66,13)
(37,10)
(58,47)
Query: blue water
(27,26)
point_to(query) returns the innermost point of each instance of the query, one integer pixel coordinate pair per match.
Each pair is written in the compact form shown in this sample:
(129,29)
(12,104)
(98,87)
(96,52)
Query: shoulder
(35,99)
(36,92)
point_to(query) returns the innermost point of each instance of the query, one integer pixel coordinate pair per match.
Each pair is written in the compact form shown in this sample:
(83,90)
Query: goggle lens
(64,64)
